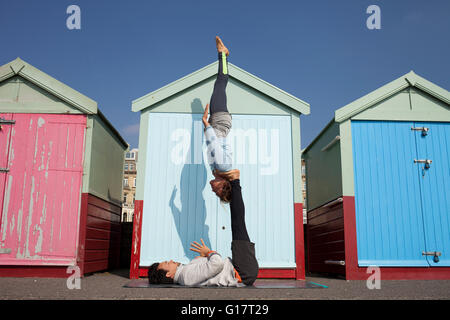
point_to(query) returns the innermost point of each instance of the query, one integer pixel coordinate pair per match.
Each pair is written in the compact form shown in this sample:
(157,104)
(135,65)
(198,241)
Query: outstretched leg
(218,101)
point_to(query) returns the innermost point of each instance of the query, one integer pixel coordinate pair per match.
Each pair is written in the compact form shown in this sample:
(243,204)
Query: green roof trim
(76,99)
(386,91)
(48,83)
(210,70)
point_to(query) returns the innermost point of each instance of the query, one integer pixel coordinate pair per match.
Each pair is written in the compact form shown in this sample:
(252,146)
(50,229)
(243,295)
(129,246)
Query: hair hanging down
(156,276)
(225,194)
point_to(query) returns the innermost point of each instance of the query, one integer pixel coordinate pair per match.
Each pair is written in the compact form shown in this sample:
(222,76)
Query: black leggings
(218,101)
(237,208)
(243,251)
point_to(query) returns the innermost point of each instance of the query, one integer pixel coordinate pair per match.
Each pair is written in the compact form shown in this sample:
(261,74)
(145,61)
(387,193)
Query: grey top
(207,271)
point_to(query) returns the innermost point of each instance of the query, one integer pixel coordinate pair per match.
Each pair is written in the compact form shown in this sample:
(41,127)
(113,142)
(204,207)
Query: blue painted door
(433,143)
(401,208)
(387,202)
(180,207)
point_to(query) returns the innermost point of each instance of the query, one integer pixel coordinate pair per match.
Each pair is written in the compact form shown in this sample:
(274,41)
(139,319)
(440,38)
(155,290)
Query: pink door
(41,189)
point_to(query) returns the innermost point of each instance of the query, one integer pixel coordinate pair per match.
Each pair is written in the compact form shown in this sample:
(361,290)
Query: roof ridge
(210,70)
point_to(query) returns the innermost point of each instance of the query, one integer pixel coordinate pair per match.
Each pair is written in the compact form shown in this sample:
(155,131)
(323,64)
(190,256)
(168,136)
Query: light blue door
(179,206)
(402,208)
(433,143)
(387,195)
(263,153)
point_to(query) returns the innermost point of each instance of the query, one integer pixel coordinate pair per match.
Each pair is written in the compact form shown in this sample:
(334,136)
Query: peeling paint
(30,219)
(44,210)
(50,144)
(38,247)
(41,122)
(41,198)
(136,240)
(20,216)
(11,156)
(36,147)
(42,158)
(67,146)
(6,207)
(12,225)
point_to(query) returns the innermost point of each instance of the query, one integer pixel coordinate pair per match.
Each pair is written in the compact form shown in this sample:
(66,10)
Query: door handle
(435,254)
(426,161)
(4,170)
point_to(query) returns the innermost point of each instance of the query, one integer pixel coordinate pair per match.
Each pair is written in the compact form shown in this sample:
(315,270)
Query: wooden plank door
(388,208)
(263,153)
(40,216)
(180,207)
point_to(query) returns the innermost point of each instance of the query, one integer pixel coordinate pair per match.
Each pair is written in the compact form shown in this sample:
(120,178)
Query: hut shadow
(190,218)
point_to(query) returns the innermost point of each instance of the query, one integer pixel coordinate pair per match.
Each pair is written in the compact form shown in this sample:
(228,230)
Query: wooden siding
(102,235)
(325,239)
(105,159)
(323,168)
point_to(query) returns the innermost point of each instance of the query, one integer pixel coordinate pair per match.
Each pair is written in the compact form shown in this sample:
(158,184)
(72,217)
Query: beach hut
(60,178)
(174,202)
(378,184)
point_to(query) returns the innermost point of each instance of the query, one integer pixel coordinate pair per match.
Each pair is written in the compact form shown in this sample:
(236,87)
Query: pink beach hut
(60,178)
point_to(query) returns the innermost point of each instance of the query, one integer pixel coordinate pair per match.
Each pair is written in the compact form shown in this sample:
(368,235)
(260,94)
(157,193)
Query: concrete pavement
(109,285)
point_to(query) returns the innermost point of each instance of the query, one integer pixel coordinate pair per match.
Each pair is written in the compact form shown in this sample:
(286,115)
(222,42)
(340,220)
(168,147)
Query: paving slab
(110,285)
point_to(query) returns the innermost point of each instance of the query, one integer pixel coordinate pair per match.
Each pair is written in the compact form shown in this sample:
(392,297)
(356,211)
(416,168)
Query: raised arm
(205,116)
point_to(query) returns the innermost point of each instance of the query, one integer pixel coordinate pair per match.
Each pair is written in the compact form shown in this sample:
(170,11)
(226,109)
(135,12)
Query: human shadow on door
(190,218)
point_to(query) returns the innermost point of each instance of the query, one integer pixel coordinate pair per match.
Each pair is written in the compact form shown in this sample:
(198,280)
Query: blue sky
(320,51)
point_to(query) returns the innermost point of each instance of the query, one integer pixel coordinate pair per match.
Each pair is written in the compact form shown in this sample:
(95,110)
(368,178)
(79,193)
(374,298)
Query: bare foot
(221,47)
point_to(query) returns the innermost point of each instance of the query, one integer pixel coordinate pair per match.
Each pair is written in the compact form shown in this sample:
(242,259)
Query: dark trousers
(218,102)
(243,251)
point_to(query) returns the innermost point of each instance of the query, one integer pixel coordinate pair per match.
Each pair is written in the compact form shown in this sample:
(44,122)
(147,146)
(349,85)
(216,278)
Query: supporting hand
(205,116)
(200,248)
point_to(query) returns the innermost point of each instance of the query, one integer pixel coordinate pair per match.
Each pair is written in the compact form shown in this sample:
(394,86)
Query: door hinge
(423,129)
(426,161)
(435,254)
(6,121)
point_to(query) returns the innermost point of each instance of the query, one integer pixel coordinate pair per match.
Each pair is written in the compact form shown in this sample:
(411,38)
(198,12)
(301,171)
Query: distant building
(129,185)
(304,190)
